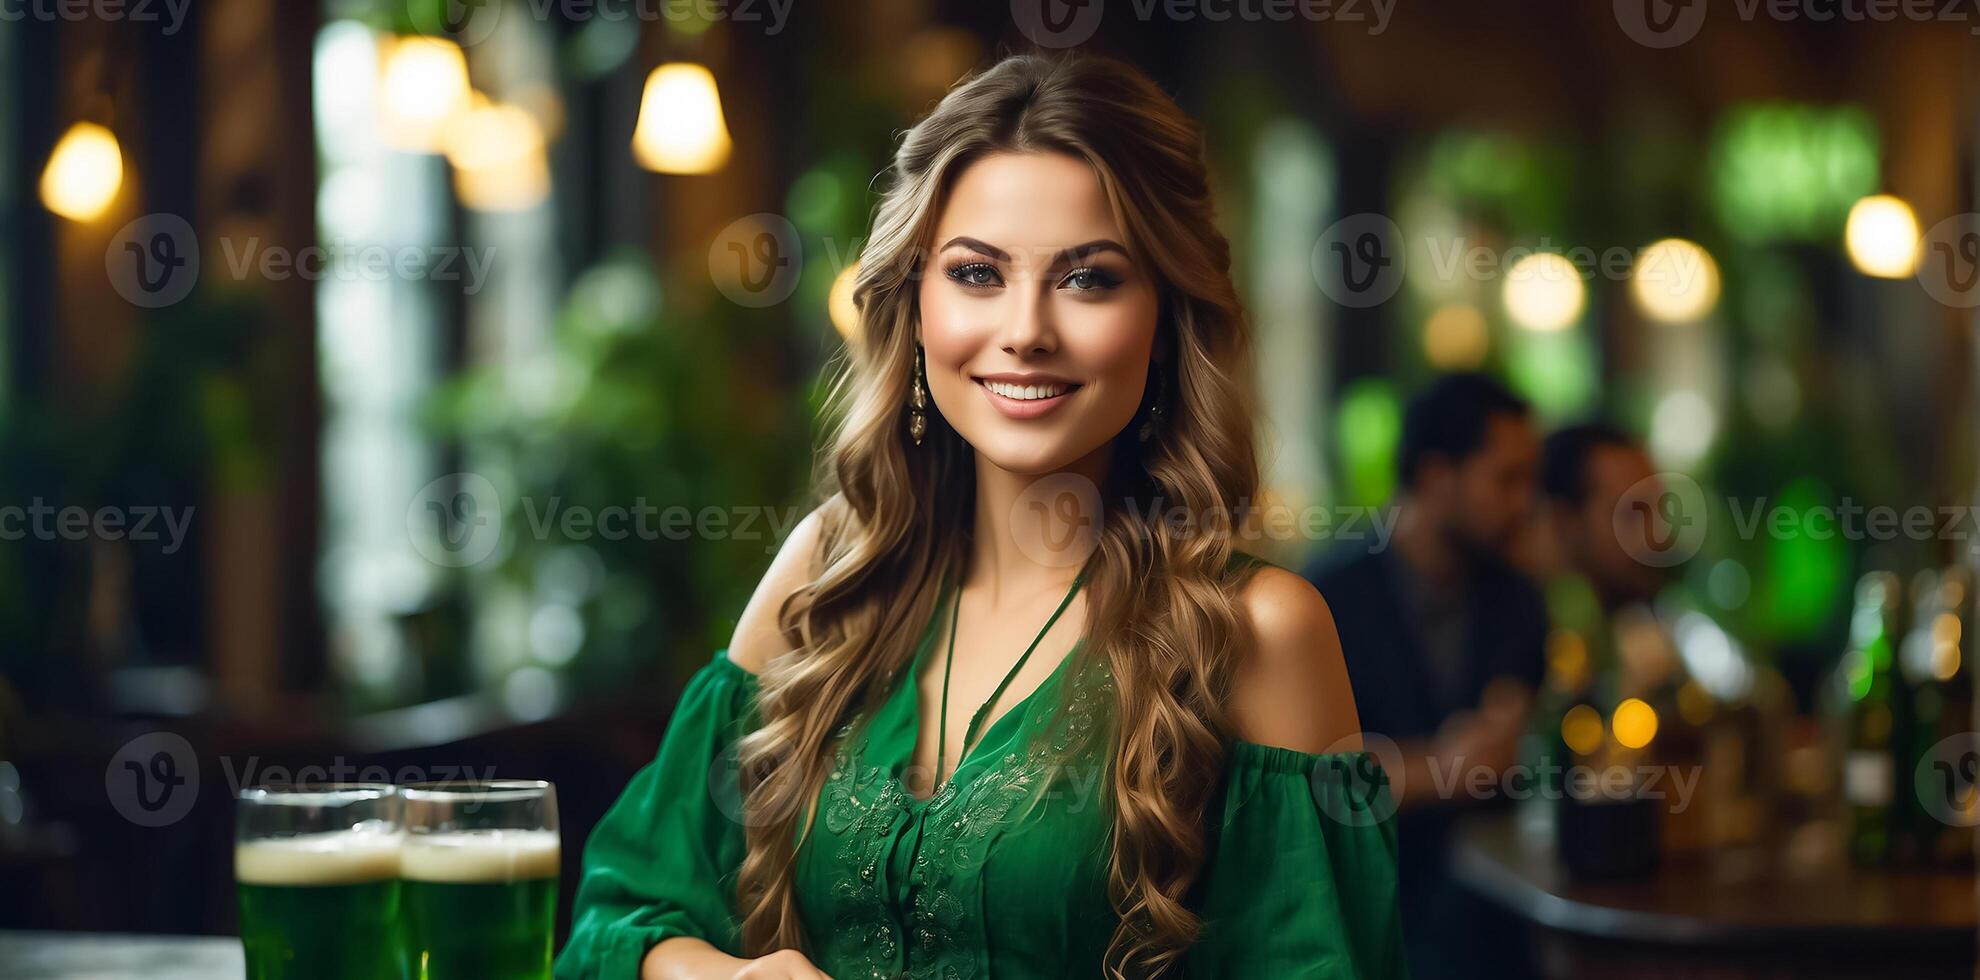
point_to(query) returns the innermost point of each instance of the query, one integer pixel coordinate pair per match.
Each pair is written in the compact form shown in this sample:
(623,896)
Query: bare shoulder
(1291,688)
(758,640)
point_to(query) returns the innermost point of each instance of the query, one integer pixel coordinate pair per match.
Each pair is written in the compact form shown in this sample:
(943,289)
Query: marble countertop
(108,956)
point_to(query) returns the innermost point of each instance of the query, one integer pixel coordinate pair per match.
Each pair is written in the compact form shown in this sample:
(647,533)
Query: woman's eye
(1087,280)
(976,274)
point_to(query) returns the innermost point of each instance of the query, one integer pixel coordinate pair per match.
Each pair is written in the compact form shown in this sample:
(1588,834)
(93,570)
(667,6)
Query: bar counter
(1739,914)
(99,956)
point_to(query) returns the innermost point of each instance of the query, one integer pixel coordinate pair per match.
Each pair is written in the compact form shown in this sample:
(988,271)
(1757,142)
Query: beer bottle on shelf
(1868,701)
(1910,833)
(1942,803)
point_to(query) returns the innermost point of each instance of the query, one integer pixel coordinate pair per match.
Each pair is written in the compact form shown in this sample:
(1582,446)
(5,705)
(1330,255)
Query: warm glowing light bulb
(1675,281)
(1882,236)
(1544,292)
(498,157)
(423,85)
(83,173)
(839,304)
(680,128)
(1635,723)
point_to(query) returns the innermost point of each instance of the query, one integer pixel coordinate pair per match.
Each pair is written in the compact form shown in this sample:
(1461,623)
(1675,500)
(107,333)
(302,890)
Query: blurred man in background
(1593,474)
(1445,642)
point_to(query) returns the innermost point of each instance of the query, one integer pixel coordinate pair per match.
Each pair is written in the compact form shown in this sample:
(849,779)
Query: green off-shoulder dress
(1002,873)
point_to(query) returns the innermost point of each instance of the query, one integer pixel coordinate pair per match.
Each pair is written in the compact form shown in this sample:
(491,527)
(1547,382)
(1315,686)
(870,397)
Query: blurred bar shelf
(76,955)
(1744,914)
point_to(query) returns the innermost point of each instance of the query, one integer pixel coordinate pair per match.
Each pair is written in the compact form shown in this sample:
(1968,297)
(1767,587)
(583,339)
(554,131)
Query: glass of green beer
(479,871)
(318,875)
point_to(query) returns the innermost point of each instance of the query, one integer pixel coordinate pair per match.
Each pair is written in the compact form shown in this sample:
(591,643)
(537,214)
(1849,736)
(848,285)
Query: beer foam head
(343,858)
(481,856)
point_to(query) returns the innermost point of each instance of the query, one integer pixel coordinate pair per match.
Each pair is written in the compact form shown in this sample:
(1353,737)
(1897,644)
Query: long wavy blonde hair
(1163,619)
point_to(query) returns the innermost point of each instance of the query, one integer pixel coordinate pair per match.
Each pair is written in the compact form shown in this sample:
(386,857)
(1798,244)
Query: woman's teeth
(1027,392)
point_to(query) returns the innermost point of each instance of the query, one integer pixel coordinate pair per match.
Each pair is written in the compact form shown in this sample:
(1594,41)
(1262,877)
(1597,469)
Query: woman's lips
(1024,408)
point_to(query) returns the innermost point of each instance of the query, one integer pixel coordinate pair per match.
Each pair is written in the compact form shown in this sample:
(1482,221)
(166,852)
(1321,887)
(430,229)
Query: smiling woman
(1051,353)
(1038,306)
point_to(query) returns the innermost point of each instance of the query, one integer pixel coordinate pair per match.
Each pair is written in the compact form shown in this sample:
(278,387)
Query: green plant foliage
(647,475)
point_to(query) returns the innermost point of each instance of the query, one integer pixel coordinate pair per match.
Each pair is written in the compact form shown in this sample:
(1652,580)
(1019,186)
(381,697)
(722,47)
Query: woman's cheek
(949,329)
(1119,339)
(947,318)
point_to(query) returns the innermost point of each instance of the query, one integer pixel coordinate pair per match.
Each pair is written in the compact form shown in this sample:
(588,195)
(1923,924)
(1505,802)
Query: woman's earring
(918,417)
(1153,423)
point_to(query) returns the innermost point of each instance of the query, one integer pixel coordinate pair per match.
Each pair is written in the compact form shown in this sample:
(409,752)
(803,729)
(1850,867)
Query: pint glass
(479,873)
(317,869)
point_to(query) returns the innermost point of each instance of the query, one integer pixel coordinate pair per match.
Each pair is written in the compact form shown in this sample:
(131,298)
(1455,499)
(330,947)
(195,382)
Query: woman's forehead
(1028,202)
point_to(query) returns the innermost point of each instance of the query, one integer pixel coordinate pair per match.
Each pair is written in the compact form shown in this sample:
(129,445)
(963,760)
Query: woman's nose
(1030,328)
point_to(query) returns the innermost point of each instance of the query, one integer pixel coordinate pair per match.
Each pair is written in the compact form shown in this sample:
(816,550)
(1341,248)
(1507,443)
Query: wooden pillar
(257,183)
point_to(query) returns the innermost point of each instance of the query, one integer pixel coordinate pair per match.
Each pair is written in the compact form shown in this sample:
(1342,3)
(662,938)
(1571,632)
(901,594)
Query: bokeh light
(1675,281)
(1683,427)
(83,173)
(1882,235)
(1635,723)
(1581,729)
(1368,426)
(1544,292)
(1456,337)
(498,157)
(423,84)
(681,129)
(845,315)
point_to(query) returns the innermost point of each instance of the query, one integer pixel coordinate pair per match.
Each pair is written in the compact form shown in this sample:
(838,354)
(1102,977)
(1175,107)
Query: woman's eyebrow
(979,247)
(1098,245)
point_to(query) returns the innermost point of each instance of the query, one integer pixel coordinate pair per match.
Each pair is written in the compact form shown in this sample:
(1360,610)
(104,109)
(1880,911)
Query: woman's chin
(1026,460)
(1032,454)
